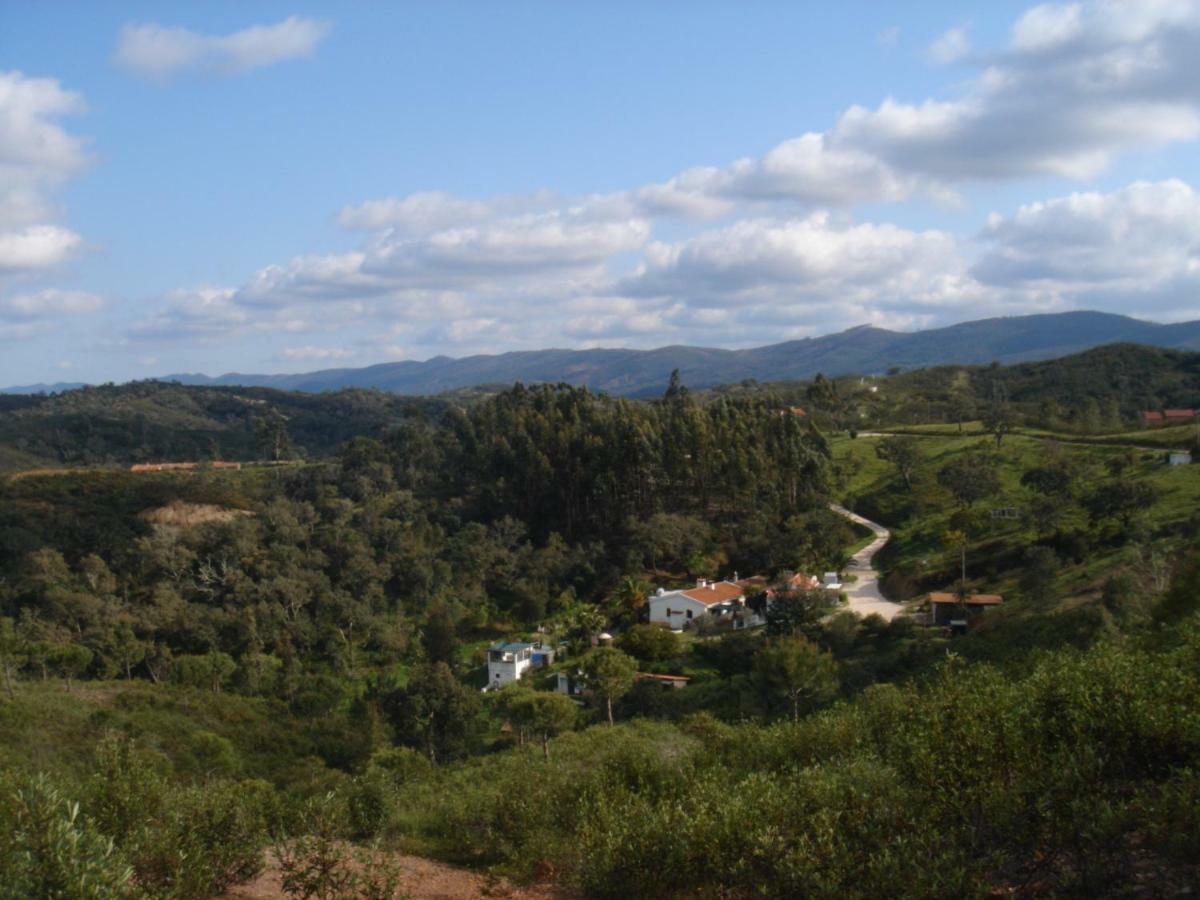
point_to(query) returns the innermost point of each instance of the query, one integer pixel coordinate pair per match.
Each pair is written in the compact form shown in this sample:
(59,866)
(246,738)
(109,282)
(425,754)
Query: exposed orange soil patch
(421,879)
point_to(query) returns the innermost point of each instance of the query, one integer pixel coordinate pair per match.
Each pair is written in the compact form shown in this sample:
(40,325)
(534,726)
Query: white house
(1179,458)
(508,662)
(677,608)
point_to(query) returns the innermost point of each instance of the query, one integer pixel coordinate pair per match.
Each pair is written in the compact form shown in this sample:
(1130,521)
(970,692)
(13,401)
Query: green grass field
(920,516)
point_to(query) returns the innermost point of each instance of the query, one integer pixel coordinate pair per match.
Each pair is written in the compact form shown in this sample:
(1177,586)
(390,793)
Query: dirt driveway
(863,594)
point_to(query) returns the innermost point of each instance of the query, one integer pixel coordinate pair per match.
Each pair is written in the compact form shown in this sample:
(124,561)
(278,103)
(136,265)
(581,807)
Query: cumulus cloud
(36,155)
(48,304)
(201,313)
(813,261)
(1142,240)
(950,46)
(335,276)
(427,211)
(36,246)
(520,245)
(159,51)
(1077,86)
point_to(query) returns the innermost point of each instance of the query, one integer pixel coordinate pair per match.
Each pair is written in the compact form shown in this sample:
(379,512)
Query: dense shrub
(49,849)
(971,783)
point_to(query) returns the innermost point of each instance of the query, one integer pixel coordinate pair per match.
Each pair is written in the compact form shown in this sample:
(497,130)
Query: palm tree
(632,593)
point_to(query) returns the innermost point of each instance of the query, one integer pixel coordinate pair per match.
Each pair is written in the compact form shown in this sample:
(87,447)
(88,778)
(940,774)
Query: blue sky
(290,186)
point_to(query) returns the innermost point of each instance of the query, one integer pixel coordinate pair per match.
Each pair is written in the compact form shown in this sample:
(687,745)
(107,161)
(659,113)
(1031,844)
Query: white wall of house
(505,667)
(675,609)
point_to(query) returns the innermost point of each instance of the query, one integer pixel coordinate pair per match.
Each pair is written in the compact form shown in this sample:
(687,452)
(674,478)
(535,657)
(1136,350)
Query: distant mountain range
(639,373)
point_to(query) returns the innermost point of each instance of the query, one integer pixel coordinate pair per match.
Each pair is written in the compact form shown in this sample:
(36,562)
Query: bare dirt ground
(178,514)
(422,879)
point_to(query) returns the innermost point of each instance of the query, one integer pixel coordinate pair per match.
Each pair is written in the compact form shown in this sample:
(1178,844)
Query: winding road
(864,595)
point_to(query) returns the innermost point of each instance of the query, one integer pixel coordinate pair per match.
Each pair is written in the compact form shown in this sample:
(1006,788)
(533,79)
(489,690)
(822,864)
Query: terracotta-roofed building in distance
(669,682)
(1152,418)
(951,609)
(678,608)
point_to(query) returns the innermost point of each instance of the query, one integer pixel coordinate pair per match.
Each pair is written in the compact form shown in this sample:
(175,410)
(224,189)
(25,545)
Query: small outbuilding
(667,682)
(1179,458)
(955,611)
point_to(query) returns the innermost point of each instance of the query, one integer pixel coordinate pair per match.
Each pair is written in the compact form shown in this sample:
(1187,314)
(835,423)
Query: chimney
(701,582)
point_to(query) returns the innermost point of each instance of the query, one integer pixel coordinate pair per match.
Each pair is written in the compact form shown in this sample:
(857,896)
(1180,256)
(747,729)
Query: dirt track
(864,595)
(422,879)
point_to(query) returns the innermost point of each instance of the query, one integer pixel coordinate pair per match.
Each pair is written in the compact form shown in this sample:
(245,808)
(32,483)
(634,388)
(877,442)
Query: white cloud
(310,353)
(36,246)
(201,313)
(1047,26)
(1142,241)
(336,276)
(49,304)
(518,246)
(812,262)
(1078,86)
(950,46)
(36,156)
(159,51)
(421,212)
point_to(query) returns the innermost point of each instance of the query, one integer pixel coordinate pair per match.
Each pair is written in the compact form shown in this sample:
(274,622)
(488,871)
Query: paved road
(863,594)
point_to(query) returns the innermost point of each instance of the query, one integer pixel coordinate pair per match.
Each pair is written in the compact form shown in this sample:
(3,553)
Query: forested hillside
(1101,390)
(1098,391)
(528,503)
(153,421)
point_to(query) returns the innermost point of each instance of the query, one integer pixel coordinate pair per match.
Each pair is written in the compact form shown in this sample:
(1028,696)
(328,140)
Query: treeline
(563,460)
(159,421)
(1098,391)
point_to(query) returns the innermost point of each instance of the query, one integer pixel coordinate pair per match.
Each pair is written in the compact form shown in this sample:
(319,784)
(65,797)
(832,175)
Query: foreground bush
(1080,778)
(48,849)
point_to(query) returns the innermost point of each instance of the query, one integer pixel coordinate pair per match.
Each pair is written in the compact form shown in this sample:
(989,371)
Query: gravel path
(863,594)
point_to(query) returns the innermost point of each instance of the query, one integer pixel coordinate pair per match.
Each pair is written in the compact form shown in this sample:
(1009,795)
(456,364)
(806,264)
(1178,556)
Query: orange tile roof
(716,592)
(1179,413)
(973,600)
(663,677)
